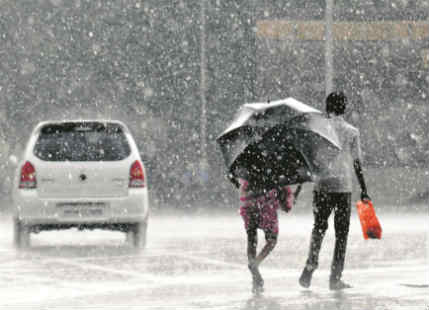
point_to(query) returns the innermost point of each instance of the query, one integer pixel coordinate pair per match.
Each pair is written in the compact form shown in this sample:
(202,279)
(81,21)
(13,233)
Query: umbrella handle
(233,180)
(296,193)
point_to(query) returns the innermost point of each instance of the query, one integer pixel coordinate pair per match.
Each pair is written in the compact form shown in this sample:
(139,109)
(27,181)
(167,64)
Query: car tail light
(28,176)
(136,175)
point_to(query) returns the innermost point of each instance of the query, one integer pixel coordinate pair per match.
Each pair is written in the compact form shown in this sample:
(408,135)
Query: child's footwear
(257,281)
(257,288)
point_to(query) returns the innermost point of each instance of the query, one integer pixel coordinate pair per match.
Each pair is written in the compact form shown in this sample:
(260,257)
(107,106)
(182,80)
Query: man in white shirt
(332,192)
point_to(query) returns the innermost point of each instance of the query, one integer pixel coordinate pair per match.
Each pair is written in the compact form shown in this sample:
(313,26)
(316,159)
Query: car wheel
(129,235)
(139,231)
(21,236)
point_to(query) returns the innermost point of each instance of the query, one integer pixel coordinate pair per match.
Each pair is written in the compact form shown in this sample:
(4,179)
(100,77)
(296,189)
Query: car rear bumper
(33,210)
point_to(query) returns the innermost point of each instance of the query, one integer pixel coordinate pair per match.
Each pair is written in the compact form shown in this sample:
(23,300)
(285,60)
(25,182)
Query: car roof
(59,122)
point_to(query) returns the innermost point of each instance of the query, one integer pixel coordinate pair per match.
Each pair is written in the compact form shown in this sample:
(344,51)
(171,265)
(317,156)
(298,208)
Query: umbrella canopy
(279,143)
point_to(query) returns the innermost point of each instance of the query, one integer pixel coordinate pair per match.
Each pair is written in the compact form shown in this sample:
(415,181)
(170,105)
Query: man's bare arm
(361,179)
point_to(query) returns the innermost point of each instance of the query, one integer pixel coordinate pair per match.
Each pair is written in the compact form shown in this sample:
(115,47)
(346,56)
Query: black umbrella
(279,143)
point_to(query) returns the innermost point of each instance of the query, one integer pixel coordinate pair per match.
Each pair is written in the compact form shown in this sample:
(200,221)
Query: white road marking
(127,273)
(290,271)
(284,271)
(210,261)
(34,280)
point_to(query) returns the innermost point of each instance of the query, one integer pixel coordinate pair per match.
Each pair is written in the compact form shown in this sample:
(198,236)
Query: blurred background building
(176,71)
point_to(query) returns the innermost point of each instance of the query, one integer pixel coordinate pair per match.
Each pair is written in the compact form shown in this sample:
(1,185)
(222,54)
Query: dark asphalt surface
(199,262)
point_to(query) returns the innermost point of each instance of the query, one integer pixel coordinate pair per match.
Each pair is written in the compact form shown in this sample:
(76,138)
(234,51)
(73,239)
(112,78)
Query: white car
(86,174)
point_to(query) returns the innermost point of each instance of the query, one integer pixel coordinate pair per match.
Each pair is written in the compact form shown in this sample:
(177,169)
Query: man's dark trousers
(323,204)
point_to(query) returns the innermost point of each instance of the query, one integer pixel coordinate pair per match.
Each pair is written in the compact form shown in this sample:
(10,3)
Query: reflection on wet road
(199,262)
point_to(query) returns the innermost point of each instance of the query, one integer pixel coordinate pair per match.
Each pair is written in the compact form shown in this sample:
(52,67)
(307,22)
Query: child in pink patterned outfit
(260,212)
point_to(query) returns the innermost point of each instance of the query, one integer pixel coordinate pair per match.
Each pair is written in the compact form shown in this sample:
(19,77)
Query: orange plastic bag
(371,227)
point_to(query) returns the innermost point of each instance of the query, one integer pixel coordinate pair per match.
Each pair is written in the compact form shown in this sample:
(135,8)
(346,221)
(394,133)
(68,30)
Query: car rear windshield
(77,141)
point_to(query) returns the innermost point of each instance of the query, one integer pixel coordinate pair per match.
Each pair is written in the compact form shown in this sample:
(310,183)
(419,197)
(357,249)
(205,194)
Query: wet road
(198,262)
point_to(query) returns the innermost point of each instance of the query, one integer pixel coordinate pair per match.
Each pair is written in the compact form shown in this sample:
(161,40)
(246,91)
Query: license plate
(82,209)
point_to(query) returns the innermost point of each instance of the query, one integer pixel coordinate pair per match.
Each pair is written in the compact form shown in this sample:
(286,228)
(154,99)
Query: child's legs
(250,218)
(267,220)
(269,223)
(270,243)
(271,240)
(252,244)
(256,259)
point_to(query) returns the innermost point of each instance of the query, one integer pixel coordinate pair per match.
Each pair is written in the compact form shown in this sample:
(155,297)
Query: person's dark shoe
(305,278)
(257,281)
(337,285)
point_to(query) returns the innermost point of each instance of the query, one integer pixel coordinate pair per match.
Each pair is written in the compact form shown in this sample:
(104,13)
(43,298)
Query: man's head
(336,103)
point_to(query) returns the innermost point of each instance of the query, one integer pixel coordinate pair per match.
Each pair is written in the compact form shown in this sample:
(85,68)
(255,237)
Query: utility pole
(203,88)
(251,36)
(329,42)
